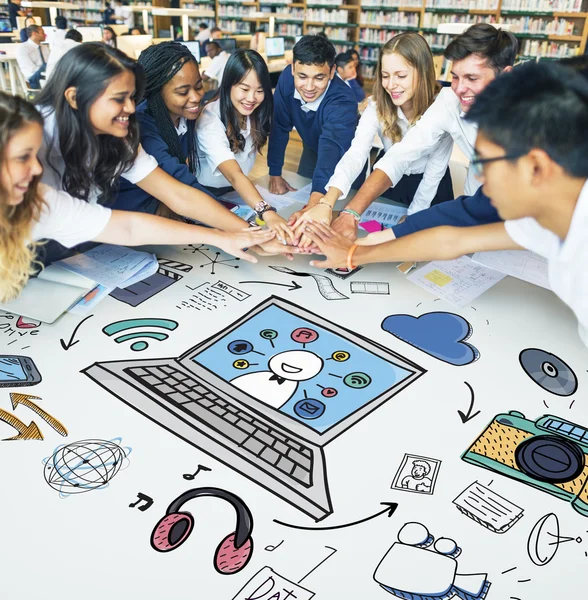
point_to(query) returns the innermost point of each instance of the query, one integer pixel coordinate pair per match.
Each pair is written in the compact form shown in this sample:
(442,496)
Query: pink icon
(329,392)
(302,335)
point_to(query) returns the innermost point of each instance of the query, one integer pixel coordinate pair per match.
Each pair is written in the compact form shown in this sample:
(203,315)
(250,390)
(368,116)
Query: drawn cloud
(442,335)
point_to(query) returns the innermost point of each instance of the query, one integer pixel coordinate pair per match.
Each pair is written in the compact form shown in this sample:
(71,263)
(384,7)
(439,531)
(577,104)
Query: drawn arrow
(27,401)
(390,509)
(68,345)
(469,416)
(25,432)
(291,288)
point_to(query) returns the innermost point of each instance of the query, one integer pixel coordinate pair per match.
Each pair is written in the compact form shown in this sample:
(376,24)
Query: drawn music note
(190,476)
(142,498)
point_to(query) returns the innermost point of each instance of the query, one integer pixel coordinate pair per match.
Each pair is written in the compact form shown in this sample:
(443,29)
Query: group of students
(87,164)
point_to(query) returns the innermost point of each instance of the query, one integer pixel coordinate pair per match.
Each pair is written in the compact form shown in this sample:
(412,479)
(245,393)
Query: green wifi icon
(120,326)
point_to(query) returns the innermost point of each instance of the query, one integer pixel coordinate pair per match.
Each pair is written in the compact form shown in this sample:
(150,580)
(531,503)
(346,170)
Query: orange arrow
(26,400)
(25,432)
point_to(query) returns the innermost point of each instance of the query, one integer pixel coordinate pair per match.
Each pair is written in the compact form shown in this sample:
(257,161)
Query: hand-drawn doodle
(278,449)
(343,272)
(67,345)
(212,261)
(192,476)
(544,540)
(120,326)
(291,286)
(549,372)
(442,335)
(234,551)
(390,509)
(271,547)
(469,415)
(269,585)
(16,327)
(26,400)
(333,551)
(210,297)
(142,498)
(85,465)
(18,371)
(489,509)
(417,474)
(325,285)
(25,432)
(412,569)
(166,275)
(548,454)
(378,288)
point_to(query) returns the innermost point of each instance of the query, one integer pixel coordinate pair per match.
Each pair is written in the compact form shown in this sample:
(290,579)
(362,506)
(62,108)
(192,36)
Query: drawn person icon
(286,369)
(418,480)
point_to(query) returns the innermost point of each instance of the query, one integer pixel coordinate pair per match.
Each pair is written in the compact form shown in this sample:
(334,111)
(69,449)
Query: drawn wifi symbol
(121,326)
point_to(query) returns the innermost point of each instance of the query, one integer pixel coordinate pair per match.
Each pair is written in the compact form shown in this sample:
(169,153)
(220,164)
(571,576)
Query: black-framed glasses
(478,163)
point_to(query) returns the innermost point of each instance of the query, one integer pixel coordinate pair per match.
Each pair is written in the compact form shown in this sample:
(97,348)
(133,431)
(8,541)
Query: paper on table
(279,202)
(112,266)
(523,264)
(387,214)
(90,300)
(458,281)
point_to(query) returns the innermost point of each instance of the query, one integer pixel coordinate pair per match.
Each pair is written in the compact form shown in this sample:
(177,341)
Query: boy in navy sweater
(320,106)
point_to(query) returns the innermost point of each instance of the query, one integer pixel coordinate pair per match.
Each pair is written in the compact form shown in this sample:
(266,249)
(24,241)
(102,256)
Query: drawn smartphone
(18,370)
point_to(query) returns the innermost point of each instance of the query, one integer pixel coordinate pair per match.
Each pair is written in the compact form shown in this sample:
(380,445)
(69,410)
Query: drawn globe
(84,466)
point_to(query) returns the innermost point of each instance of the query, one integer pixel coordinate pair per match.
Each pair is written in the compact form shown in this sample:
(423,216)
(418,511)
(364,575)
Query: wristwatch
(262,207)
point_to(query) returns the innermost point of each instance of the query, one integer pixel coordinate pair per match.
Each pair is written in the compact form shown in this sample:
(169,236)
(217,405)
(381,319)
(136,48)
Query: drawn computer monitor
(274,47)
(5,26)
(227,44)
(90,34)
(133,45)
(194,48)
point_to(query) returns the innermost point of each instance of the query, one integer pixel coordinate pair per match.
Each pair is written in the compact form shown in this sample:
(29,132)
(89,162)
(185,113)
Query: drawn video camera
(549,454)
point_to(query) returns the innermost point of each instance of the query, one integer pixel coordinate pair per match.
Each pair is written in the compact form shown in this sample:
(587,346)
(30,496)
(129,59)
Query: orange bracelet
(351,267)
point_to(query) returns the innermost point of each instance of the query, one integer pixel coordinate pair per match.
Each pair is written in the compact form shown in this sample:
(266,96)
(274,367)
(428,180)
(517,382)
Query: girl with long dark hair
(92,138)
(233,128)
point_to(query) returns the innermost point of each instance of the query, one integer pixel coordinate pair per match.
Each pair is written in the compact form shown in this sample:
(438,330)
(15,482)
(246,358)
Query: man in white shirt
(72,39)
(531,156)
(204,33)
(218,62)
(30,57)
(478,55)
(59,33)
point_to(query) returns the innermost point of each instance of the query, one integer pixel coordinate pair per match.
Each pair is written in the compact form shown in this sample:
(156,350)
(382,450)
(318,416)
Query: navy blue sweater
(132,197)
(465,211)
(328,131)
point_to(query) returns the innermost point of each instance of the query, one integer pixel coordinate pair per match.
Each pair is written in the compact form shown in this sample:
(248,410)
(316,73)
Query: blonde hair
(416,52)
(17,254)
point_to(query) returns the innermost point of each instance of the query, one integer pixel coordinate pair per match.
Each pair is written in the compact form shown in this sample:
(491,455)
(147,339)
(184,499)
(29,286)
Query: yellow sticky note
(438,277)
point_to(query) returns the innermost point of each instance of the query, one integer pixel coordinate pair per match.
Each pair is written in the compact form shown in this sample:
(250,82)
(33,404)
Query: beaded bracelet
(351,267)
(326,204)
(351,212)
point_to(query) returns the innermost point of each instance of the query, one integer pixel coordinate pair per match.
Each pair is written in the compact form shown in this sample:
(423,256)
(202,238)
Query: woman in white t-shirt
(30,211)
(91,137)
(233,128)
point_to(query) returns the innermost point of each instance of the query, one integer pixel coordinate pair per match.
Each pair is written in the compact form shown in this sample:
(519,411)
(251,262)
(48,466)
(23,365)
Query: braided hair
(161,63)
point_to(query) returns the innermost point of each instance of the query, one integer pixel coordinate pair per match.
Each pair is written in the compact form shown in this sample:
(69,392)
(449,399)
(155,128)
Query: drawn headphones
(235,550)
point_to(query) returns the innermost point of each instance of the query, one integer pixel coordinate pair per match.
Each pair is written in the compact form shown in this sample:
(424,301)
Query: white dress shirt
(57,38)
(57,51)
(203,36)
(217,65)
(432,163)
(214,147)
(567,259)
(28,57)
(443,116)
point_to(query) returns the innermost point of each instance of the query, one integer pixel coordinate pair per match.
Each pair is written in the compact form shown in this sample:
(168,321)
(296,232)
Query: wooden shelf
(565,38)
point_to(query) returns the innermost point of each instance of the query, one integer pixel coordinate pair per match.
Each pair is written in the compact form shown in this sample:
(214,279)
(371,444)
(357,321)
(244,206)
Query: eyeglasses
(478,163)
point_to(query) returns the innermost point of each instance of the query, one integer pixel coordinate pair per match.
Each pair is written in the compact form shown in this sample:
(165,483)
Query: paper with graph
(522,264)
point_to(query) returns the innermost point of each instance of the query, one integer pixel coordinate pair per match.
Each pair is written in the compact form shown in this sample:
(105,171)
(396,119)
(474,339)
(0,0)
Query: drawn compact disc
(548,371)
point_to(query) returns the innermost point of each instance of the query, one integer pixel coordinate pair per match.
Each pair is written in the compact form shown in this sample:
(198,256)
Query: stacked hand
(279,226)
(233,242)
(330,243)
(319,213)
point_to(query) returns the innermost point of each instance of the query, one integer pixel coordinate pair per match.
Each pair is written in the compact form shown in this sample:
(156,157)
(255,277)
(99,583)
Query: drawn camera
(548,454)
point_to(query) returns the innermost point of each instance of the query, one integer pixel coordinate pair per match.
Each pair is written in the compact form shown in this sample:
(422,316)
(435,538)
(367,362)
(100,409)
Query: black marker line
(333,375)
(509,570)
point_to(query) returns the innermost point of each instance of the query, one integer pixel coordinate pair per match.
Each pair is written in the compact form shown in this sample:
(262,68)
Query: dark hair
(161,63)
(343,59)
(61,22)
(497,46)
(240,63)
(314,50)
(215,30)
(203,25)
(75,35)
(537,105)
(578,63)
(213,43)
(139,29)
(92,161)
(32,29)
(111,31)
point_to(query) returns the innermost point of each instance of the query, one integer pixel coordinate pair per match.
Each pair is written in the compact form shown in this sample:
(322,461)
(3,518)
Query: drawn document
(386,214)
(523,264)
(458,281)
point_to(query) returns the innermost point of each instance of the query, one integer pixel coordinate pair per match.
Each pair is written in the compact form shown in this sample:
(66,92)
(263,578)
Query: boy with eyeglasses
(532,159)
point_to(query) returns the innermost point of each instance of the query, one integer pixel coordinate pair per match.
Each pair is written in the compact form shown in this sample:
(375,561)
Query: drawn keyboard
(246,430)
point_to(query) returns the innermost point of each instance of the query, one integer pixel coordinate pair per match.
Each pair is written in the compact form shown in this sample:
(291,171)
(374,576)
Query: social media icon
(303,335)
(240,347)
(241,364)
(268,334)
(357,381)
(329,392)
(309,408)
(340,355)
